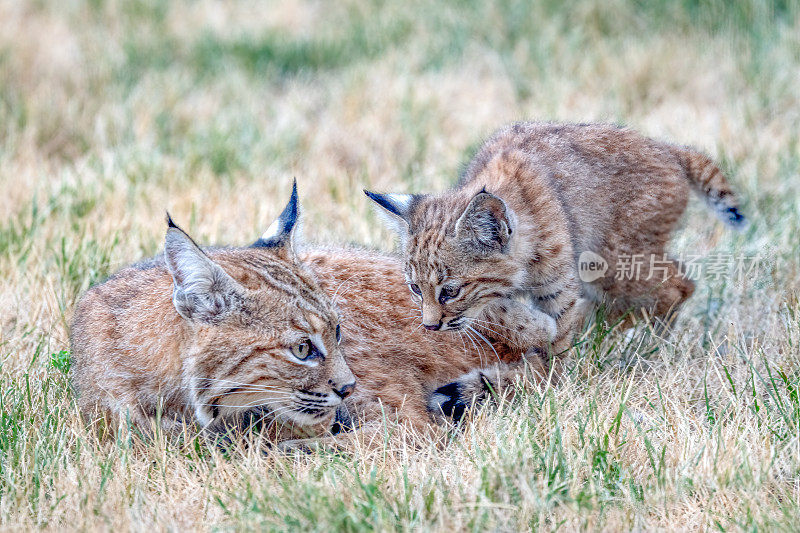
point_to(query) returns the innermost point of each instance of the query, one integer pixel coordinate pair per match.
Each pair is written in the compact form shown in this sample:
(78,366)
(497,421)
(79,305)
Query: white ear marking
(401,201)
(272,231)
(281,232)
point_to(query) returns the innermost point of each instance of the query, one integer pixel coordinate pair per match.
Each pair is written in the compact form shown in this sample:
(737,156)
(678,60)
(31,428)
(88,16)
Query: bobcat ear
(201,289)
(485,227)
(280,234)
(396,209)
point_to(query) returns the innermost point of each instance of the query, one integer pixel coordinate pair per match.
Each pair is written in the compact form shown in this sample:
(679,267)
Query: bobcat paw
(454,399)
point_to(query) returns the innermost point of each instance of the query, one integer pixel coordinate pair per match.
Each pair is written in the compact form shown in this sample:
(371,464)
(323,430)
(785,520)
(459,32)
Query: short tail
(707,179)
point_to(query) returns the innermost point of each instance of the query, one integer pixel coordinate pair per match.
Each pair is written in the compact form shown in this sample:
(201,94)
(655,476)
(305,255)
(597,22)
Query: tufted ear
(395,209)
(281,233)
(201,289)
(485,226)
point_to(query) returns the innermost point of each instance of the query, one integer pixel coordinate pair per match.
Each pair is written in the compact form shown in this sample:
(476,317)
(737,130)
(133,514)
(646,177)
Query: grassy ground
(111,112)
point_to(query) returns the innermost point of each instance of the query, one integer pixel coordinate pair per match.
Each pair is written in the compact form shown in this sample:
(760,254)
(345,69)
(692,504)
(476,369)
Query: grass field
(112,112)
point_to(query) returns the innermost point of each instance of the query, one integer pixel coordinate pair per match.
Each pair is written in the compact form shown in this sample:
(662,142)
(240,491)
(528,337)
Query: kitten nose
(433,327)
(345,390)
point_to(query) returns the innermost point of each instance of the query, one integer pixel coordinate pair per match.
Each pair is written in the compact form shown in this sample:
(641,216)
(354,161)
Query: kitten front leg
(535,333)
(517,325)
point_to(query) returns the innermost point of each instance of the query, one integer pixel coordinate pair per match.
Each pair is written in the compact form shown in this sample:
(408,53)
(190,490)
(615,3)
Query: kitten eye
(415,289)
(303,350)
(448,292)
(338,333)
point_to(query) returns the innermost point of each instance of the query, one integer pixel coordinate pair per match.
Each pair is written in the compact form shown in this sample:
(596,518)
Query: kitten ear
(201,289)
(485,227)
(395,209)
(280,234)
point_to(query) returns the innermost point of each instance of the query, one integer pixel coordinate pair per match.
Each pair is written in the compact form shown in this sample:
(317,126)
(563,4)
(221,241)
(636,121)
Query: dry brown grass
(111,112)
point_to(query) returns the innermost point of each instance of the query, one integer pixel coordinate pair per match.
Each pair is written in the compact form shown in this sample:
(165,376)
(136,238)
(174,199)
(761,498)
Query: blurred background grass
(112,112)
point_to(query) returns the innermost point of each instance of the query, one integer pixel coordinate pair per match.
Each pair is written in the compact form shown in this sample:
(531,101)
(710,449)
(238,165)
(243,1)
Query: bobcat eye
(338,333)
(448,292)
(415,289)
(303,350)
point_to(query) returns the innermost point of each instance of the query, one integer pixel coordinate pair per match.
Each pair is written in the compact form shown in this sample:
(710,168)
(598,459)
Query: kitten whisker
(482,326)
(477,348)
(489,344)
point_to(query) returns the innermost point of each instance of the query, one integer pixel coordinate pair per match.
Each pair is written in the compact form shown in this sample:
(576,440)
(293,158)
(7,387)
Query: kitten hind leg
(656,295)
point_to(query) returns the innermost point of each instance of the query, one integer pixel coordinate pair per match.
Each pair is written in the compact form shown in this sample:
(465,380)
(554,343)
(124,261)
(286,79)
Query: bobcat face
(264,355)
(264,335)
(456,257)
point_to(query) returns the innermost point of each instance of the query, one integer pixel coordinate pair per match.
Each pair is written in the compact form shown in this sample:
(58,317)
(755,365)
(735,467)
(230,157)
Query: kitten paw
(551,327)
(454,399)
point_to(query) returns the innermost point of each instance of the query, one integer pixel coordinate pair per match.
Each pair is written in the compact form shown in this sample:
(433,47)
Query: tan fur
(533,199)
(398,364)
(134,355)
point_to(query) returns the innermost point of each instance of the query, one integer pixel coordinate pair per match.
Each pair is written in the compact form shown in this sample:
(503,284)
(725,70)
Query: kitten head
(456,252)
(263,334)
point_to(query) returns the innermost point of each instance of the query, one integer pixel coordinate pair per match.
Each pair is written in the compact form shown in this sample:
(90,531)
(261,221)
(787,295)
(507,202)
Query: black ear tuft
(280,232)
(396,209)
(170,223)
(396,204)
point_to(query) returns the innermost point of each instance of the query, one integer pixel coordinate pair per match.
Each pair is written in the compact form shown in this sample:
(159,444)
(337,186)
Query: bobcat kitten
(534,198)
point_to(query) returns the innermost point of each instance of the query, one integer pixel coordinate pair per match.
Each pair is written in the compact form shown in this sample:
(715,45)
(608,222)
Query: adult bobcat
(219,336)
(535,197)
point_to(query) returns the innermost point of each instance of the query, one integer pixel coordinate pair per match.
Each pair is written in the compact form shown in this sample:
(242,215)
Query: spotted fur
(534,198)
(214,350)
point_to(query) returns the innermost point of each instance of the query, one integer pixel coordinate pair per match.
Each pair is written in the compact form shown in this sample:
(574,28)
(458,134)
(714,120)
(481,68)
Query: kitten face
(451,284)
(456,253)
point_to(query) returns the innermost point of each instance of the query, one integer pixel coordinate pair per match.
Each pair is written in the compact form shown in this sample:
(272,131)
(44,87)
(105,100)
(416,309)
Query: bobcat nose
(345,391)
(433,327)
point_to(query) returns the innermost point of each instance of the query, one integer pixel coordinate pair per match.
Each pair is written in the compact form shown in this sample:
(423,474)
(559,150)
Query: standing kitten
(535,197)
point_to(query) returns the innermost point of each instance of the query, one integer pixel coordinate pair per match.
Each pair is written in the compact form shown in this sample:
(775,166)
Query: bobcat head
(262,334)
(456,252)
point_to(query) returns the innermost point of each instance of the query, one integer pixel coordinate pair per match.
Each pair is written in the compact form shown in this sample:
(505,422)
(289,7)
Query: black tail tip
(735,219)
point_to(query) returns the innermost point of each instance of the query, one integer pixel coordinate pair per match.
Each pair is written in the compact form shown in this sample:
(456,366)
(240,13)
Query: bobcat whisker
(254,403)
(461,338)
(239,389)
(336,292)
(280,409)
(232,382)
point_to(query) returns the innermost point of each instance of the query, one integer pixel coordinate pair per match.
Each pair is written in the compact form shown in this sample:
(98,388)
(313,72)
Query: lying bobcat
(215,338)
(534,198)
